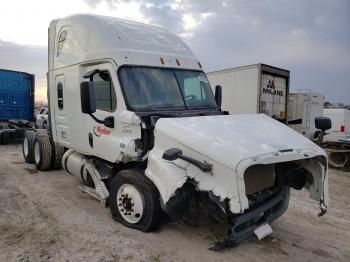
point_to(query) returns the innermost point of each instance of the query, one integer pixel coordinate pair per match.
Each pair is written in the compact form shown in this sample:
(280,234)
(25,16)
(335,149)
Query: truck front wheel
(134,200)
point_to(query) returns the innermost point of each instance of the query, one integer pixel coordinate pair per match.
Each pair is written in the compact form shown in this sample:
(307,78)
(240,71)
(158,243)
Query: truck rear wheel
(134,200)
(28,146)
(42,152)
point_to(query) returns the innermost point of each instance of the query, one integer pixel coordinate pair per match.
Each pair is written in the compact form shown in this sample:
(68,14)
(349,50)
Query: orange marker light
(162,61)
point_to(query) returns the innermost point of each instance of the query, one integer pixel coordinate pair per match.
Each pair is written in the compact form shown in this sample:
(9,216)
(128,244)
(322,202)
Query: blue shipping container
(16,95)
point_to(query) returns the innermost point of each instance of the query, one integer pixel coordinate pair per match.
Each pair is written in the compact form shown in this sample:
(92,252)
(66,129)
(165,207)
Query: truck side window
(104,91)
(60,96)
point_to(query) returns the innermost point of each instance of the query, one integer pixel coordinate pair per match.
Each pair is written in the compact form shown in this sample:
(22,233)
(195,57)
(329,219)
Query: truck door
(60,111)
(273,96)
(98,139)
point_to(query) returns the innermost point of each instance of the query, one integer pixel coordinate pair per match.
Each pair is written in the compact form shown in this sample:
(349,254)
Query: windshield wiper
(154,117)
(165,114)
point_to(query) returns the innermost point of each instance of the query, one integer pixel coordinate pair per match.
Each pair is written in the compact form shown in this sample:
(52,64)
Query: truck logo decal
(271,84)
(98,131)
(271,89)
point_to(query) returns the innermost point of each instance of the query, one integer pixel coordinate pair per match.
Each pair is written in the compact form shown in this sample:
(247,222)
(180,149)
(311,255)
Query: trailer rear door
(273,91)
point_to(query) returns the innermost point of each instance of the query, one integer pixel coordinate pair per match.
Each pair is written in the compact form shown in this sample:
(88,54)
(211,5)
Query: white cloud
(189,21)
(26,21)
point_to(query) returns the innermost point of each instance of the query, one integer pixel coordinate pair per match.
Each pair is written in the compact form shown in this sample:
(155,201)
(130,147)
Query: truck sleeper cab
(140,125)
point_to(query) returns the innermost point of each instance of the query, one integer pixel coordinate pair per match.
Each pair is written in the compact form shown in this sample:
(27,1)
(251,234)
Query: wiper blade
(164,114)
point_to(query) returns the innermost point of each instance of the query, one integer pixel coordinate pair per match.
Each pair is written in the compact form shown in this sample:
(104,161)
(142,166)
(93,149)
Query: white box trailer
(303,108)
(253,89)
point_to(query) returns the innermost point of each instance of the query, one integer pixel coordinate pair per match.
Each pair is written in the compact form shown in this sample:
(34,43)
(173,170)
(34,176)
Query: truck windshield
(155,88)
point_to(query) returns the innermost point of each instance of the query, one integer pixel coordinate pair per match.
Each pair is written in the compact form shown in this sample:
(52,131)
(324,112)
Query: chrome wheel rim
(130,203)
(37,152)
(25,147)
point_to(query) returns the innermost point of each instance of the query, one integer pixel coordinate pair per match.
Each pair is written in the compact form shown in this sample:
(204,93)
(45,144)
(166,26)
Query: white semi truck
(253,89)
(134,114)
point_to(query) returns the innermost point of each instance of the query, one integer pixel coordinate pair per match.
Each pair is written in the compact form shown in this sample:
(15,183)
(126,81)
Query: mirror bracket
(175,153)
(108,121)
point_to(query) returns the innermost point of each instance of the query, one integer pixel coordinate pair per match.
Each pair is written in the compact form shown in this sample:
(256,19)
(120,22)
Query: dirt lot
(45,217)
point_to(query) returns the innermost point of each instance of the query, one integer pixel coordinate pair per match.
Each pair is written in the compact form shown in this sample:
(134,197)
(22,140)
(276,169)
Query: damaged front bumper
(243,226)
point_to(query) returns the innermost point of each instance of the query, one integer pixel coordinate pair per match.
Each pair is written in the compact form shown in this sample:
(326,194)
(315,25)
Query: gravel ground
(45,217)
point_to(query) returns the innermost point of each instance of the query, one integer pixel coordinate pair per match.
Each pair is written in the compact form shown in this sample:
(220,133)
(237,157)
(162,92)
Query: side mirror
(323,123)
(172,154)
(87,97)
(218,95)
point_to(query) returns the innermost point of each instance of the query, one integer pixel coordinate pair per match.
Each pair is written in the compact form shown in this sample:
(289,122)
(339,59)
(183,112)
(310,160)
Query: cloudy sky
(309,38)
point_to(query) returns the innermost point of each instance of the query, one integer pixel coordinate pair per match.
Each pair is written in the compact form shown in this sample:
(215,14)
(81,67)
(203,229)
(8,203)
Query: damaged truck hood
(230,144)
(231,139)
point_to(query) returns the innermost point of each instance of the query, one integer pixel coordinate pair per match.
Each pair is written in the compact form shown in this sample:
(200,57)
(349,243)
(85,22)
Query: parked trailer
(337,141)
(253,89)
(134,112)
(16,103)
(303,108)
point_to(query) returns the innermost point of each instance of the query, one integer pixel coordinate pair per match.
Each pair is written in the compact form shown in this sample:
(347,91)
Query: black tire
(44,156)
(151,214)
(57,154)
(28,149)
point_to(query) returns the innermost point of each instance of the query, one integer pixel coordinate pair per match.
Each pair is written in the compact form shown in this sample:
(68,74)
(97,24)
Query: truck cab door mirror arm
(175,153)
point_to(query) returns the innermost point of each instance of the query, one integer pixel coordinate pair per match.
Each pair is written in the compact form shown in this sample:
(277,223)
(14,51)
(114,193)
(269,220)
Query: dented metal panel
(240,142)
